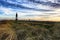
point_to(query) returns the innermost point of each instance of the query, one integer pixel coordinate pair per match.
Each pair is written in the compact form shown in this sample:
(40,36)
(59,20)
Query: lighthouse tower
(16,17)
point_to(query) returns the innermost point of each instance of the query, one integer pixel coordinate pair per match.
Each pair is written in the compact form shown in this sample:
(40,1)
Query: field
(29,30)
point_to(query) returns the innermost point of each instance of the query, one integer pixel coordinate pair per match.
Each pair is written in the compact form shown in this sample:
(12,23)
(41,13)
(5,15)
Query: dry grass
(11,30)
(6,32)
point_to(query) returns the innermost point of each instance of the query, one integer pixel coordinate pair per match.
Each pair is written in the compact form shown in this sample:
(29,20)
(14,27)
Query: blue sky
(30,9)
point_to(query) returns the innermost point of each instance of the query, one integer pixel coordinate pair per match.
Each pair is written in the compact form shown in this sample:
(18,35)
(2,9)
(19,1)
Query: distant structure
(16,17)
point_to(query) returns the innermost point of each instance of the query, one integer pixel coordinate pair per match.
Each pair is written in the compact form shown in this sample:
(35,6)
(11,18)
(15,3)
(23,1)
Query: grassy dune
(29,30)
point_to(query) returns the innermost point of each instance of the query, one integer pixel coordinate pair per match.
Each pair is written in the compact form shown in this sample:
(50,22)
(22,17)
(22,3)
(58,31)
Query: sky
(46,10)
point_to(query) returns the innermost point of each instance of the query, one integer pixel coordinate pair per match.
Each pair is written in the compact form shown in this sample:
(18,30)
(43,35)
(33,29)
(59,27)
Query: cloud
(10,5)
(51,3)
(30,9)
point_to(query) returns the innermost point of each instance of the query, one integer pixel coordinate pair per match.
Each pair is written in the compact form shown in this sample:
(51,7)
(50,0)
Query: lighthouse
(16,17)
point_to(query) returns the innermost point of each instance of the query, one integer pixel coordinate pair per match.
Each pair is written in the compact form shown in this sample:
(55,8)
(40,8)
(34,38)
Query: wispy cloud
(30,9)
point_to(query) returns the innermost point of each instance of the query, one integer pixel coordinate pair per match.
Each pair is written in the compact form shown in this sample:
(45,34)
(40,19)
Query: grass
(29,30)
